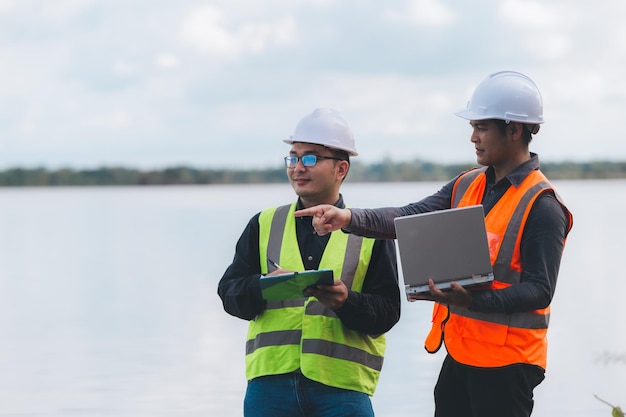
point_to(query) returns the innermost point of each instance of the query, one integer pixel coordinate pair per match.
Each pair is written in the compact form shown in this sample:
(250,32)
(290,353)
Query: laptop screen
(446,245)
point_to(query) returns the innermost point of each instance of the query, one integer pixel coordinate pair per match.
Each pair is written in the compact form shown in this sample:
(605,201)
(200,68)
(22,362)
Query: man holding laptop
(495,336)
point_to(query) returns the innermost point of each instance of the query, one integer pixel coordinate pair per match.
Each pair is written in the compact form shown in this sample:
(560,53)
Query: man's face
(493,147)
(318,184)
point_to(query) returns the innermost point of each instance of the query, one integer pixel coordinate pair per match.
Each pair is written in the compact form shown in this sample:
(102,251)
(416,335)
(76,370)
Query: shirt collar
(339,203)
(516,176)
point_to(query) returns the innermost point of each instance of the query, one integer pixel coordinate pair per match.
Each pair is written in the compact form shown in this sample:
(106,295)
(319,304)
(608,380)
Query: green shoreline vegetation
(384,171)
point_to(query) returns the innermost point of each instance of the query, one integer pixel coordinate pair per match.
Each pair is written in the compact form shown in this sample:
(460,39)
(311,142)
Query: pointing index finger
(305,212)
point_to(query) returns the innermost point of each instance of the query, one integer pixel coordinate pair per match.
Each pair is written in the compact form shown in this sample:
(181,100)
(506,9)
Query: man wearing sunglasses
(320,355)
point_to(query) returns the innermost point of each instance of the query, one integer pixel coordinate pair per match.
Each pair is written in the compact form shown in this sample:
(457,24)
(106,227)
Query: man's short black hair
(526,129)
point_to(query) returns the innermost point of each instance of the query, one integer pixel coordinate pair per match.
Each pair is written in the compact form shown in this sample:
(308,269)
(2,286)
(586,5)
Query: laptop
(447,246)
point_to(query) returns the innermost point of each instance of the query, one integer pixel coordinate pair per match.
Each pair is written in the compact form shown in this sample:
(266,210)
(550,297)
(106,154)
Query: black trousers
(463,390)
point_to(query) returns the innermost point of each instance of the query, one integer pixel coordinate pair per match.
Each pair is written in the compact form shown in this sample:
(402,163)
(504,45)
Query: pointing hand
(326,218)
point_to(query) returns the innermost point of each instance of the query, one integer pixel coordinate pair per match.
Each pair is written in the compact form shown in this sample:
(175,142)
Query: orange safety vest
(496,339)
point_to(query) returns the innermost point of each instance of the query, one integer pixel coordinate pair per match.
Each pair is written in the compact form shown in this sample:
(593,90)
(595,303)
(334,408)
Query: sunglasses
(308,160)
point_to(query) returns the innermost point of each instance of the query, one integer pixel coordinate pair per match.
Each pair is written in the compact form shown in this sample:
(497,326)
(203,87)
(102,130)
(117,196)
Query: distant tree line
(384,171)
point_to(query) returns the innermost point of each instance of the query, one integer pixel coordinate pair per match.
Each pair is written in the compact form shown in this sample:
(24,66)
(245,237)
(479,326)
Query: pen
(274,263)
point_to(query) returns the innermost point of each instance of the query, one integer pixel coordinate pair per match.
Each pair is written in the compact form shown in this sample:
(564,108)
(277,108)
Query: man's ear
(516,129)
(343,167)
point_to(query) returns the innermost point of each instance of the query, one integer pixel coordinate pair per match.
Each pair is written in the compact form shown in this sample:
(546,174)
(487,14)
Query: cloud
(543,29)
(116,120)
(166,61)
(62,10)
(207,30)
(6,5)
(124,68)
(221,83)
(425,13)
(530,14)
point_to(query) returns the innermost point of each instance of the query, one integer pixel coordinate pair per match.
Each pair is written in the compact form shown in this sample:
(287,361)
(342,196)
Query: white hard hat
(326,127)
(505,95)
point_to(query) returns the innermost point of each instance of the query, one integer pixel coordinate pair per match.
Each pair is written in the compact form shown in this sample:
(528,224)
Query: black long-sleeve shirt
(541,245)
(375,310)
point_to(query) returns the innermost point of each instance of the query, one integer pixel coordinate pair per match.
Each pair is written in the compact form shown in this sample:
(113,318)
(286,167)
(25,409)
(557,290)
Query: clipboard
(290,286)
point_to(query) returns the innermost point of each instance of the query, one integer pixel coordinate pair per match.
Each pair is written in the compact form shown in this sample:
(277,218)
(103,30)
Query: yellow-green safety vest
(303,334)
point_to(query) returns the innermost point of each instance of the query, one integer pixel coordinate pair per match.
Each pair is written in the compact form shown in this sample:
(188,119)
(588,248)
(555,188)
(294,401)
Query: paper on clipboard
(289,286)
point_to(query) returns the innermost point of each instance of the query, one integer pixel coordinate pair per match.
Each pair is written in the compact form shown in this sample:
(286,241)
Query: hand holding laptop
(456,295)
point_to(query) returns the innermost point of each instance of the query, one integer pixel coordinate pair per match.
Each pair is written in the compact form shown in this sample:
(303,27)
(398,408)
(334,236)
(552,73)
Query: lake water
(108,303)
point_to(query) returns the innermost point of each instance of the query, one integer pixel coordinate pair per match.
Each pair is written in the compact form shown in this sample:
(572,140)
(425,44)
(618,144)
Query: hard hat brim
(471,115)
(351,152)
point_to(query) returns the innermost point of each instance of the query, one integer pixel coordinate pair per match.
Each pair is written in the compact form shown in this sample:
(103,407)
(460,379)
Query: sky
(219,84)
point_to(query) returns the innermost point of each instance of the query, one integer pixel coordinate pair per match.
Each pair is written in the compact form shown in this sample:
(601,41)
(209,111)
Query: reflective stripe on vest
(304,333)
(490,339)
